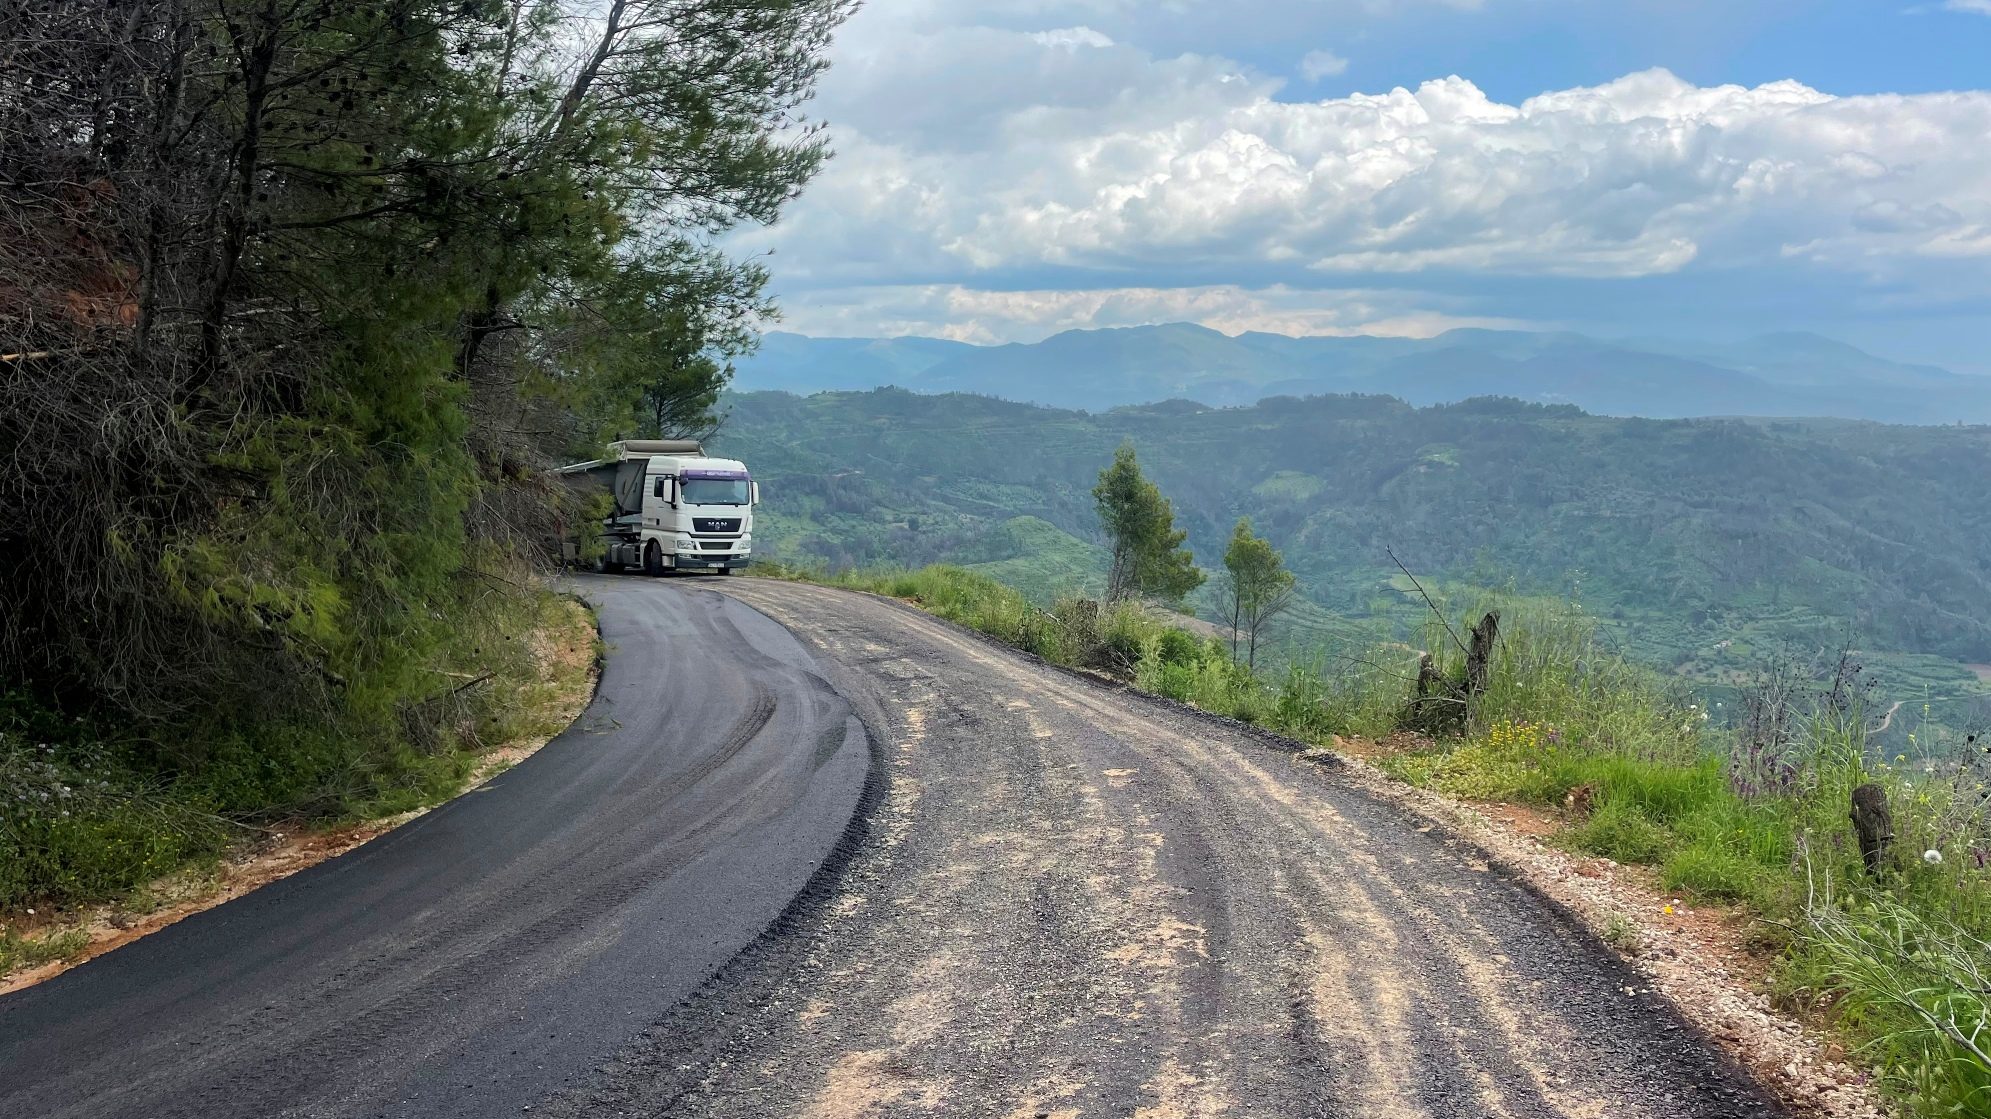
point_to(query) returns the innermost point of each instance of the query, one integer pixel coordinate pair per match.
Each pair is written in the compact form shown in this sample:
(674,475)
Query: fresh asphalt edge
(803,905)
(600,658)
(670,1050)
(598,662)
(1507,869)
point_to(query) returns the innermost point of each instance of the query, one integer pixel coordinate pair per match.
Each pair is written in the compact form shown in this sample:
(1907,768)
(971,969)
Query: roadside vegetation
(90,834)
(297,304)
(1747,807)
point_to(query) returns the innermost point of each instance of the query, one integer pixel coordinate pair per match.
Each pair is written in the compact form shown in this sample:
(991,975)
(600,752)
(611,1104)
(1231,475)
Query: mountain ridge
(1771,375)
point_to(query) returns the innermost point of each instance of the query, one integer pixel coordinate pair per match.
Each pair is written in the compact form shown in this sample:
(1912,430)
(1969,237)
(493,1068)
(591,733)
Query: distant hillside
(1706,544)
(1776,375)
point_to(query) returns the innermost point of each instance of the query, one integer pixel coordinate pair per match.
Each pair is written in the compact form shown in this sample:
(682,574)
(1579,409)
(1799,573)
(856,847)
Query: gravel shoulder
(1716,986)
(1073,901)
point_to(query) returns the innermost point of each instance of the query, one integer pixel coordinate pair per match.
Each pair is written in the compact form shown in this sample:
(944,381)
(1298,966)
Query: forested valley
(1710,548)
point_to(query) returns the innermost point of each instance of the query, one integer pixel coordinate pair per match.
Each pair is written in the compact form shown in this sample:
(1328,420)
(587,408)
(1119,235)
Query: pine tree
(300,300)
(1255,585)
(1148,557)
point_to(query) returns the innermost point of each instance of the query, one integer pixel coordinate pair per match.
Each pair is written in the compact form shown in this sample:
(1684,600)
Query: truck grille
(715,524)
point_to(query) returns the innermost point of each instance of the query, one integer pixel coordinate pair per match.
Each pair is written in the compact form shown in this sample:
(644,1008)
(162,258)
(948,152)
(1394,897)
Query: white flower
(1932,857)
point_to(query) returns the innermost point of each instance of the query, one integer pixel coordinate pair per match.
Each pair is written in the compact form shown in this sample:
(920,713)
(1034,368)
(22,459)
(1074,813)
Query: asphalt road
(492,952)
(1055,899)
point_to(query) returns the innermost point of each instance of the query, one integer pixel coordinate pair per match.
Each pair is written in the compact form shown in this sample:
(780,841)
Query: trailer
(673,508)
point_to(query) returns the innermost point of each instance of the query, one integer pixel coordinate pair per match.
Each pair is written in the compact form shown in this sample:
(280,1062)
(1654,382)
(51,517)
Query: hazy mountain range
(1097,370)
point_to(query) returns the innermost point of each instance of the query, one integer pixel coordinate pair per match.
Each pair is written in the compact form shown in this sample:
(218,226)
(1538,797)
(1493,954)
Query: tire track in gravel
(1073,901)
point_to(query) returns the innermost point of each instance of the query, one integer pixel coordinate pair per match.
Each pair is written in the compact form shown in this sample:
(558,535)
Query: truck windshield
(714,491)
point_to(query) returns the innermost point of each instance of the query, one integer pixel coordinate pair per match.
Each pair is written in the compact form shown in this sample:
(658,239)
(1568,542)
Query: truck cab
(675,507)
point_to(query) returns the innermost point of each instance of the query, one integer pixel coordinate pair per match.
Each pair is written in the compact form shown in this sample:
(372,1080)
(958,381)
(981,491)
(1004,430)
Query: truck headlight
(684,544)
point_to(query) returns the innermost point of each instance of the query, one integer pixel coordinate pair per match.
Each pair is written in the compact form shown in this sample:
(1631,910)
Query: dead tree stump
(1436,708)
(1428,679)
(1479,653)
(1442,705)
(1874,823)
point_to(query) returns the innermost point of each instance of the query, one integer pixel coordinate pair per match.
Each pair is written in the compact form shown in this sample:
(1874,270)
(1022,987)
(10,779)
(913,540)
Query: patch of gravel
(1790,1058)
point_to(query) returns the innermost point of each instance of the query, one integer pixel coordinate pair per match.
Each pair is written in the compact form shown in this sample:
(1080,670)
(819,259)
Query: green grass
(1070,631)
(1887,952)
(90,814)
(1915,987)
(79,822)
(18,951)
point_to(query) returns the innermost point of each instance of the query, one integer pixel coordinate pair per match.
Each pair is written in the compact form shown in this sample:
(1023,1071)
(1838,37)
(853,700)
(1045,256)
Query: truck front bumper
(686,561)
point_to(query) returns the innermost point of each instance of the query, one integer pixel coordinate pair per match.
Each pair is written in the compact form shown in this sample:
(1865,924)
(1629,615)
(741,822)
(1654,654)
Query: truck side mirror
(670,494)
(753,493)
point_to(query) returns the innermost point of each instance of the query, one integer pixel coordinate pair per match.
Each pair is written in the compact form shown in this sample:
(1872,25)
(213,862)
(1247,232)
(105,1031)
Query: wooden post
(1874,823)
(1479,656)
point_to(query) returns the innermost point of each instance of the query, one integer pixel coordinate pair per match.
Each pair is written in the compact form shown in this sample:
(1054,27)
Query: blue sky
(1010,168)
(1515,50)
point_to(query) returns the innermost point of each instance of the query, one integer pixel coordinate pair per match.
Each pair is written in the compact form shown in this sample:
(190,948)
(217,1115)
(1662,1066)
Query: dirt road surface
(1075,902)
(1042,897)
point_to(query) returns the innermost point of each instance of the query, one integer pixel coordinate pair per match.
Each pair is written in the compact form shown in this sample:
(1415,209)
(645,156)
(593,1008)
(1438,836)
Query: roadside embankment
(521,704)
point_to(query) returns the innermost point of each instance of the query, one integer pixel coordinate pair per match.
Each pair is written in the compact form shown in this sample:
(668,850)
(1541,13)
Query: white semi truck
(674,508)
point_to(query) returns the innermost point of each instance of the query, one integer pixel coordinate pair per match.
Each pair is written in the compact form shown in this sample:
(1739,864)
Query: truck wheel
(607,566)
(653,559)
(725,571)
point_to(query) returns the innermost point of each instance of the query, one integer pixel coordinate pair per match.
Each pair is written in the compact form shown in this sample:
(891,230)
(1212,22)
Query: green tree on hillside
(298,300)
(1255,586)
(302,299)
(1148,556)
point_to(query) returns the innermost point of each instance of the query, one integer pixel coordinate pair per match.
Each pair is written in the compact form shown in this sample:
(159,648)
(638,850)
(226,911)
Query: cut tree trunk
(1874,823)
(1479,653)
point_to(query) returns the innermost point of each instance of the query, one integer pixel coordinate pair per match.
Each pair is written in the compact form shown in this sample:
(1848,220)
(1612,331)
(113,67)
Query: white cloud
(972,315)
(1071,38)
(1320,64)
(1981,7)
(1189,162)
(1033,144)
